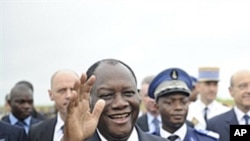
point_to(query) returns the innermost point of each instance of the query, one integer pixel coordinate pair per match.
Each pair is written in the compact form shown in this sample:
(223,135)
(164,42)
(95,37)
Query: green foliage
(228,102)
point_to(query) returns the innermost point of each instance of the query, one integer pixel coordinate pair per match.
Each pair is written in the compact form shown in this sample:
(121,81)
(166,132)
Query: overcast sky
(39,37)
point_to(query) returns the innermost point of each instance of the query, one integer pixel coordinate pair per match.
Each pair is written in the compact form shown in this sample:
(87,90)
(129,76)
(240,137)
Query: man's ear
(230,89)
(9,102)
(156,105)
(50,95)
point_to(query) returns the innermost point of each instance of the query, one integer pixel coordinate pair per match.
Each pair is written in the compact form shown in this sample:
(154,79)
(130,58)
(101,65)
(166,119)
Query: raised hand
(80,123)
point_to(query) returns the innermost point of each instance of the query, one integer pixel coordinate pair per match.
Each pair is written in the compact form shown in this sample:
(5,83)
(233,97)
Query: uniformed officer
(171,90)
(194,92)
(206,106)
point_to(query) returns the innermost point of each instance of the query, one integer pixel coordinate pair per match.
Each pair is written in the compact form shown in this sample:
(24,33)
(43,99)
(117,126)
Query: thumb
(97,111)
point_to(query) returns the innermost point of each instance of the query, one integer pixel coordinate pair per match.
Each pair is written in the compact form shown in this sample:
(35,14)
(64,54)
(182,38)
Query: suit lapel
(231,119)
(33,120)
(48,132)
(143,123)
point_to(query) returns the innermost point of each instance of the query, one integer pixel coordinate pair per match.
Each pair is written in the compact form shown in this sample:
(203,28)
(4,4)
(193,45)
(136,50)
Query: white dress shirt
(133,137)
(196,112)
(239,116)
(58,132)
(181,132)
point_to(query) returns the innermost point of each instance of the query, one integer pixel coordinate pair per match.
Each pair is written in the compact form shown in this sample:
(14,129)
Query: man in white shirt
(62,84)
(206,106)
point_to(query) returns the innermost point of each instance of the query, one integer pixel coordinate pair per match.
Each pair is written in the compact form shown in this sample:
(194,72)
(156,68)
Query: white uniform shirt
(181,132)
(196,112)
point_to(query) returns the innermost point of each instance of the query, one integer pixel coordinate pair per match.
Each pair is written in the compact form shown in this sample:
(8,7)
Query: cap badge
(174,75)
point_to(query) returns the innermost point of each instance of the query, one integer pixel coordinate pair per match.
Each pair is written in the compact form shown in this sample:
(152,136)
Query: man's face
(116,85)
(194,94)
(21,102)
(240,91)
(208,90)
(61,89)
(173,109)
(149,103)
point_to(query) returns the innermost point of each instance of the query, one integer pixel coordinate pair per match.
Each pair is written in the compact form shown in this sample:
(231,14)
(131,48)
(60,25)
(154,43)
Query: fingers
(97,111)
(73,102)
(76,91)
(86,86)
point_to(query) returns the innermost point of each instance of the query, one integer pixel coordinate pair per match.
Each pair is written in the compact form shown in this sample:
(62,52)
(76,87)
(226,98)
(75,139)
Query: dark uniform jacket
(142,122)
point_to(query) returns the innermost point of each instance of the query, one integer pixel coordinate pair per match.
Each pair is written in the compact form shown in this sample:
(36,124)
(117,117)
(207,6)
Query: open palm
(80,123)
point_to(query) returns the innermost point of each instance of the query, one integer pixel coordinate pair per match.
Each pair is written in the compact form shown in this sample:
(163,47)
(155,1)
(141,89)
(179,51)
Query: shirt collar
(59,122)
(181,132)
(151,118)
(202,105)
(14,120)
(240,114)
(133,137)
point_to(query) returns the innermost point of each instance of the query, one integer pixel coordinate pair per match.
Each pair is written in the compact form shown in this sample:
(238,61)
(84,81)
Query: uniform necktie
(205,114)
(246,117)
(173,137)
(156,123)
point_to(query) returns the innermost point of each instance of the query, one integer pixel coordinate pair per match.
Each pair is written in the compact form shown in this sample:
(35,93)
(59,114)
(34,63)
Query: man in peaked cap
(206,106)
(194,93)
(171,89)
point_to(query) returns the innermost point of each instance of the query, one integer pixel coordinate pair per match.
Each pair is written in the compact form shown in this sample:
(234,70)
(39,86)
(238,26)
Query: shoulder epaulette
(208,133)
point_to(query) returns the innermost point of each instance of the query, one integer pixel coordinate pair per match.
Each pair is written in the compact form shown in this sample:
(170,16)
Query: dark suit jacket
(142,136)
(142,122)
(32,121)
(11,133)
(221,124)
(43,131)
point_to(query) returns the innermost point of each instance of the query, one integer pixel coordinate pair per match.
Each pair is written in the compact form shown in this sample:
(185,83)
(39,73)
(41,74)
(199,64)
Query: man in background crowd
(21,103)
(240,113)
(206,106)
(194,92)
(150,121)
(62,84)
(34,112)
(171,89)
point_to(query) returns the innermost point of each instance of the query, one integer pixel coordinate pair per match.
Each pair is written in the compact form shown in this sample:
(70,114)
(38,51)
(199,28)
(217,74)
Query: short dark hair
(26,83)
(92,68)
